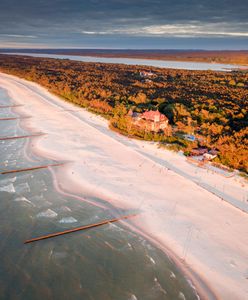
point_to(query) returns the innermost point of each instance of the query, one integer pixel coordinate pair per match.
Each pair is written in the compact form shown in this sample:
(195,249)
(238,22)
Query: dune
(197,215)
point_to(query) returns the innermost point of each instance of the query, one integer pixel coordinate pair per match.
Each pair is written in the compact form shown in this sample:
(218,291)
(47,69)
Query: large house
(149,120)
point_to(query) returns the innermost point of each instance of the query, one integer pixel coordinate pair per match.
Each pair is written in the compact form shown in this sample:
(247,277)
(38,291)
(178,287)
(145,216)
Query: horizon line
(127,49)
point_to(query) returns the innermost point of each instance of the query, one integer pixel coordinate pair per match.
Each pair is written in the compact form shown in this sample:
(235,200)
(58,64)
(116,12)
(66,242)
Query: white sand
(208,234)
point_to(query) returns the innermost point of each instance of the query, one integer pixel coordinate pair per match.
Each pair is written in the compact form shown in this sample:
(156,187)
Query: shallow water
(108,262)
(142,62)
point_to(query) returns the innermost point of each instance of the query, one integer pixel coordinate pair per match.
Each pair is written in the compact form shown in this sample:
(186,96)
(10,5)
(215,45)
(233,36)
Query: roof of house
(146,73)
(151,115)
(132,113)
(199,151)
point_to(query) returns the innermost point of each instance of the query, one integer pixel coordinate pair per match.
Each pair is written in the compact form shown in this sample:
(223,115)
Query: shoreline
(202,290)
(236,65)
(198,285)
(114,200)
(142,62)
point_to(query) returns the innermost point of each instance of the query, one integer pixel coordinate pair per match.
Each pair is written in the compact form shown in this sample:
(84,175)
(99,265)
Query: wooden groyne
(10,106)
(14,118)
(48,236)
(31,169)
(20,137)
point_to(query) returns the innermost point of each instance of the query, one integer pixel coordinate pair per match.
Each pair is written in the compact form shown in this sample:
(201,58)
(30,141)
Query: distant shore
(205,56)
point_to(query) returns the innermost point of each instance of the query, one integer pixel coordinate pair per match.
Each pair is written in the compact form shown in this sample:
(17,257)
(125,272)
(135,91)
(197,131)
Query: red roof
(153,116)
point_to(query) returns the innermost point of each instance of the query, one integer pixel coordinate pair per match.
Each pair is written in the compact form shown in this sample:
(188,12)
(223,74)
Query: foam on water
(58,255)
(23,188)
(8,188)
(40,201)
(151,259)
(68,220)
(145,244)
(114,227)
(23,199)
(172,275)
(37,198)
(109,245)
(158,287)
(8,180)
(49,213)
(181,296)
(129,246)
(193,287)
(65,209)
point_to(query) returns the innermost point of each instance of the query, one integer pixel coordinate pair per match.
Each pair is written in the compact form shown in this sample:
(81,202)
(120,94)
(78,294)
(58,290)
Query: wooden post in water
(48,236)
(20,137)
(31,169)
(14,118)
(9,106)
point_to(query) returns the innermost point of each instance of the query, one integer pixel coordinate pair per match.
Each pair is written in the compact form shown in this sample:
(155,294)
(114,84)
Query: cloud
(192,30)
(97,32)
(18,36)
(67,19)
(176,30)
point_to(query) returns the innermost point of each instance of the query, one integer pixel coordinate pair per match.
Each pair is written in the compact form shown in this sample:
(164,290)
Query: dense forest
(210,105)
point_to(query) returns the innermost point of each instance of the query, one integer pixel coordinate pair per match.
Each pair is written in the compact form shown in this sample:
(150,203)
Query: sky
(132,24)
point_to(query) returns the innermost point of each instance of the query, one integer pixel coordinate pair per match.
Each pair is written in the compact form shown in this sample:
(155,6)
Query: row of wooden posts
(51,235)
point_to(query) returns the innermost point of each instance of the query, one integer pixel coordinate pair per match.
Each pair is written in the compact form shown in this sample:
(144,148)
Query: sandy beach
(198,215)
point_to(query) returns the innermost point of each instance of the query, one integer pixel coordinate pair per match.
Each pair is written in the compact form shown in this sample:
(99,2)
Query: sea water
(110,262)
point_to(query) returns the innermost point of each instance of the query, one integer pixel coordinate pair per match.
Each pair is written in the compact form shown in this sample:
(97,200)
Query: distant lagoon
(143,62)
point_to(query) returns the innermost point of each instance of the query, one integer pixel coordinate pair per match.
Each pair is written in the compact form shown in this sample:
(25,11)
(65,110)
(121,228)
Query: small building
(146,74)
(213,152)
(208,156)
(150,120)
(190,137)
(198,151)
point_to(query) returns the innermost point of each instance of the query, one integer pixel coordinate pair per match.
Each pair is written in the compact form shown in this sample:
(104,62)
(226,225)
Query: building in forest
(149,120)
(146,74)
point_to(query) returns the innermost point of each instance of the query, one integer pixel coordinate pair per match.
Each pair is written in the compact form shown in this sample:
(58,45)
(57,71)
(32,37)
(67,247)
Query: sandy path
(209,235)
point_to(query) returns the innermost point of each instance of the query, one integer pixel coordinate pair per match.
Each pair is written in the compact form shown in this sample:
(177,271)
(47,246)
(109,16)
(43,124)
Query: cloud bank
(96,22)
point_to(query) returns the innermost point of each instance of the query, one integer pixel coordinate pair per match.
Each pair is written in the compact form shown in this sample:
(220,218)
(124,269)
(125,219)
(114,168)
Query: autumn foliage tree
(212,105)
